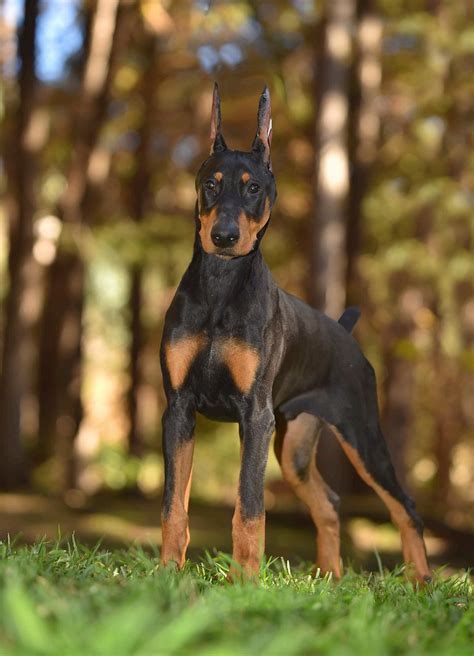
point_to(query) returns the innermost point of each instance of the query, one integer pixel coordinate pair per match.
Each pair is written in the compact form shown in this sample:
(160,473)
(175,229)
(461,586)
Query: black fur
(349,318)
(308,361)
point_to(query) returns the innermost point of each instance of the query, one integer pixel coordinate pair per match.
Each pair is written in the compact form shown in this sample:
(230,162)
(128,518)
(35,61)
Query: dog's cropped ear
(263,138)
(217,140)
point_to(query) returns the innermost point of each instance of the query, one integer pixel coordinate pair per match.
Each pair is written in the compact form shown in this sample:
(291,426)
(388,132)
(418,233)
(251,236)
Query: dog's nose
(224,237)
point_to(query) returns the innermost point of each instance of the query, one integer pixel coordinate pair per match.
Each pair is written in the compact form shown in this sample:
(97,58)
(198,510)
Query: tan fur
(207,221)
(218,175)
(180,355)
(301,434)
(248,229)
(248,539)
(413,547)
(242,360)
(174,526)
(245,177)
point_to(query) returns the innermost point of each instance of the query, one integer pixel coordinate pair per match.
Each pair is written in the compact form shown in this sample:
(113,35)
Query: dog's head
(235,190)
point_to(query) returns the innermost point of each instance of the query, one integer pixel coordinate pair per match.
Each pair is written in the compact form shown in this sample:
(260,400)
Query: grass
(69,600)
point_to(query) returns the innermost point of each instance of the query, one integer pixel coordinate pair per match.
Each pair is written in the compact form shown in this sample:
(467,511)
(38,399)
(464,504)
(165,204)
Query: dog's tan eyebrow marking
(245,177)
(218,175)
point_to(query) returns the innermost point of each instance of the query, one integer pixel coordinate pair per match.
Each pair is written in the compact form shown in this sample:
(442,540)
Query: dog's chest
(218,368)
(232,356)
(223,376)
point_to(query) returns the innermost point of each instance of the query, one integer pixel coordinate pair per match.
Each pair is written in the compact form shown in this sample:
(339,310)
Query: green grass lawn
(73,600)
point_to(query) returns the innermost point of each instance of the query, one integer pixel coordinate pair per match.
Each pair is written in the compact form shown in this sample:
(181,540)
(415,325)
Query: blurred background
(105,109)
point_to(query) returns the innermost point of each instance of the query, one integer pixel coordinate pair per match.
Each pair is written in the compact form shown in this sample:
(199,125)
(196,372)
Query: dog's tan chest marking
(242,360)
(180,355)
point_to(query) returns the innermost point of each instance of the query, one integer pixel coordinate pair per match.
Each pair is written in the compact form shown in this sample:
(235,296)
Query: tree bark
(139,200)
(364,131)
(448,423)
(328,253)
(397,414)
(21,170)
(364,134)
(59,378)
(332,166)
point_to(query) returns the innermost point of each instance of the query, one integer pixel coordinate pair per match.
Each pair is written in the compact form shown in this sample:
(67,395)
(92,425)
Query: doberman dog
(237,348)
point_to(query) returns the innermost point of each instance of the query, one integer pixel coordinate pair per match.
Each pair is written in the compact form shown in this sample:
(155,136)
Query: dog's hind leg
(350,408)
(360,435)
(295,447)
(376,470)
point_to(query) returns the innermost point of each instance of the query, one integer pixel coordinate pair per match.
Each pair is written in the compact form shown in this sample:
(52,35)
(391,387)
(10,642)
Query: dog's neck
(218,281)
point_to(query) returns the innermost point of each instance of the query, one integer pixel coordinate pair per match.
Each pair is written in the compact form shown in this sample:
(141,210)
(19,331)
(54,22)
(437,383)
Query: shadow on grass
(120,521)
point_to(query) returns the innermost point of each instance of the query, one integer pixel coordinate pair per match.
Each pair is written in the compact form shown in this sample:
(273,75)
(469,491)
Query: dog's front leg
(248,524)
(178,445)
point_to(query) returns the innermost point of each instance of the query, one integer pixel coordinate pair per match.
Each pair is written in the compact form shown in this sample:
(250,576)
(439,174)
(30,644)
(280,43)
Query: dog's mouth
(226,253)
(233,252)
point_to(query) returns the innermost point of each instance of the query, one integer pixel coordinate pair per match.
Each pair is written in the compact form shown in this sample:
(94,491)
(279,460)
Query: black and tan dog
(237,348)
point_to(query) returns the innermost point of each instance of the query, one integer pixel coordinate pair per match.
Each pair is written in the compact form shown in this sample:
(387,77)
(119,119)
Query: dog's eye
(210,184)
(254,187)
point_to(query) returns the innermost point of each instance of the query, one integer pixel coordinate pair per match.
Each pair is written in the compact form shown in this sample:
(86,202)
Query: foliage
(71,600)
(412,248)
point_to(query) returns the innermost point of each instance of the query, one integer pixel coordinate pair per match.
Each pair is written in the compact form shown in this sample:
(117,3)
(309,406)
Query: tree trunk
(59,378)
(134,437)
(21,168)
(332,166)
(364,131)
(328,254)
(139,199)
(397,415)
(448,423)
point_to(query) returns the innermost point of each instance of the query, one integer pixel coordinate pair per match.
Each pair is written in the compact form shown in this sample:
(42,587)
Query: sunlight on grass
(75,600)
(369,536)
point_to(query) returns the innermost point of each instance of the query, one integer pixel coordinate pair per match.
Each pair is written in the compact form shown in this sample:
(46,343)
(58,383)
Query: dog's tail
(349,318)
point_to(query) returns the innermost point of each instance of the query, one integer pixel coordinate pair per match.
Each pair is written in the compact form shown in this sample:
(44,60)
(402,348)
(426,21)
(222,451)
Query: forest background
(105,108)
